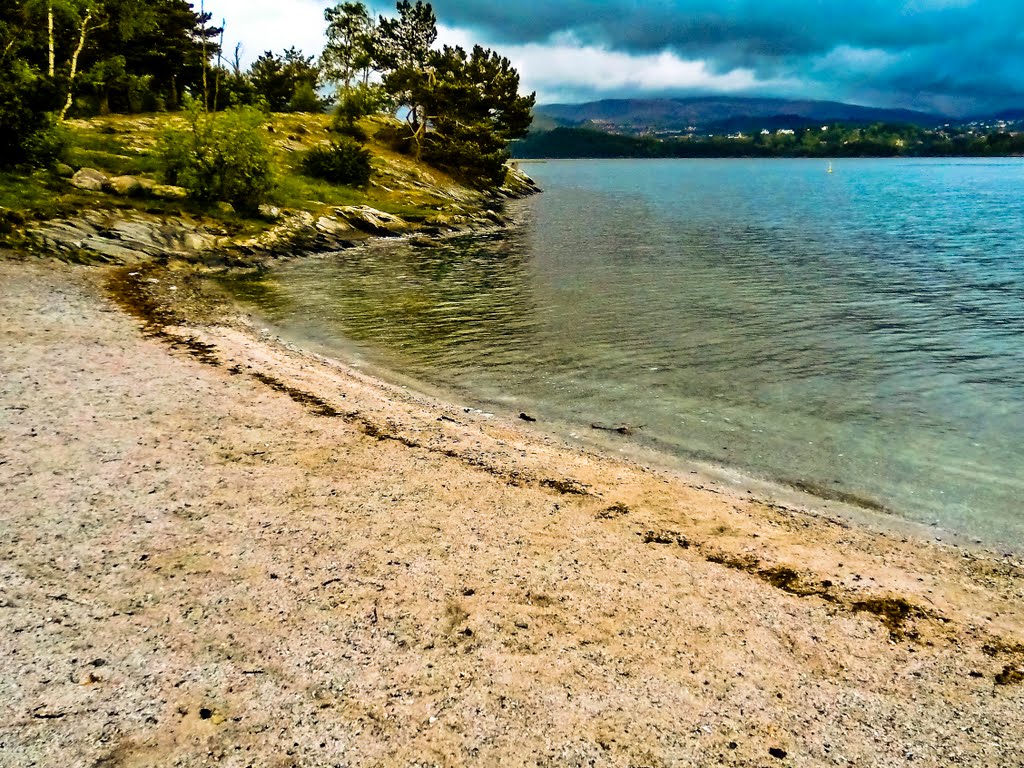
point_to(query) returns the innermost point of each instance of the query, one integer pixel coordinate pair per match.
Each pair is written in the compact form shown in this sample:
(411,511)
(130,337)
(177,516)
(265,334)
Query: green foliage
(879,140)
(462,109)
(278,79)
(357,102)
(351,44)
(305,99)
(220,156)
(343,162)
(28,135)
(407,41)
(475,109)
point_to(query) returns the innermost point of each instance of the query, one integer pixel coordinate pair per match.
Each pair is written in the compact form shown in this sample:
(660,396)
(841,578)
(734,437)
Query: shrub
(220,157)
(305,99)
(342,162)
(396,136)
(355,103)
(28,135)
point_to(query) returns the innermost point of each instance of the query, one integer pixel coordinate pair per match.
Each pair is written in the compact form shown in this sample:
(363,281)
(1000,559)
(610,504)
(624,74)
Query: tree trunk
(49,24)
(74,66)
(105,100)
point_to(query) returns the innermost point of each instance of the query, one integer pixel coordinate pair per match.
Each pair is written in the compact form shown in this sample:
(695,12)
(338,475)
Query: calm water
(861,332)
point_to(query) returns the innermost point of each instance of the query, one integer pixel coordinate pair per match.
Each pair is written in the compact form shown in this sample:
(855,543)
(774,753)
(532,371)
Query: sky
(957,57)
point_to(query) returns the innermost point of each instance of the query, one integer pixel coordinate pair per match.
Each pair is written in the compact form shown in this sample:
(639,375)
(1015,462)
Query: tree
(278,79)
(403,52)
(172,51)
(348,60)
(27,96)
(462,109)
(349,53)
(474,109)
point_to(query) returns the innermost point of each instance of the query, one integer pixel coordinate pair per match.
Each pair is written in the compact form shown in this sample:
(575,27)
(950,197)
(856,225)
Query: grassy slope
(125,145)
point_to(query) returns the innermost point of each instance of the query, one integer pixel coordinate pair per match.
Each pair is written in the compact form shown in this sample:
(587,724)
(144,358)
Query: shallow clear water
(860,333)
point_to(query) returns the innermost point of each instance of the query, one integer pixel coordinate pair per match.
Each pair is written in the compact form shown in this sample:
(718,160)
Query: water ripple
(862,331)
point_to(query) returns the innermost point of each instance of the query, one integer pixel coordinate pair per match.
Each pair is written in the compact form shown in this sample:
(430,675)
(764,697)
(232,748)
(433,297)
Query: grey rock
(89,179)
(135,231)
(112,250)
(269,212)
(223,208)
(330,226)
(198,241)
(371,220)
(168,192)
(123,185)
(64,170)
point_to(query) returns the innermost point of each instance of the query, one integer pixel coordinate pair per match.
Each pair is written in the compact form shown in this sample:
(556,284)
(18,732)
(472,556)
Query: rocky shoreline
(114,236)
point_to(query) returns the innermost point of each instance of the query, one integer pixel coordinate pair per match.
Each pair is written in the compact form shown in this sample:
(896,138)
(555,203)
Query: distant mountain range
(720,114)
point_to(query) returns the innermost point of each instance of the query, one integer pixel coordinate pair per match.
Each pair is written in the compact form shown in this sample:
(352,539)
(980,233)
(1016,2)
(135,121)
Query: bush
(354,131)
(396,136)
(220,157)
(28,135)
(305,99)
(343,162)
(355,103)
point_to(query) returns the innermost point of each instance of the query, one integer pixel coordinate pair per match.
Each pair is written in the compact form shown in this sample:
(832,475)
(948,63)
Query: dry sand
(241,554)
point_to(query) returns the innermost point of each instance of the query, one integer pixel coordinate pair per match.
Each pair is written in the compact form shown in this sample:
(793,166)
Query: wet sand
(219,550)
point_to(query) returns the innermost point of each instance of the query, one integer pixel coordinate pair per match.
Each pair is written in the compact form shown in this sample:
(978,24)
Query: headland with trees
(147,89)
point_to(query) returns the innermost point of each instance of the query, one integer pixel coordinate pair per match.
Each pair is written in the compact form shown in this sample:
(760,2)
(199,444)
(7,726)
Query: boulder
(89,179)
(371,220)
(330,226)
(269,212)
(224,208)
(64,170)
(168,192)
(123,185)
(197,241)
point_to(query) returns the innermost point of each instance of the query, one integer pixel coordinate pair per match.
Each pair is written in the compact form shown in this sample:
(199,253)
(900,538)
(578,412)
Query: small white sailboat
(829,167)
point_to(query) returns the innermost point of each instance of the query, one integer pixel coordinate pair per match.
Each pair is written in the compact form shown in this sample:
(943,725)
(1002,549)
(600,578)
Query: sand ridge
(218,549)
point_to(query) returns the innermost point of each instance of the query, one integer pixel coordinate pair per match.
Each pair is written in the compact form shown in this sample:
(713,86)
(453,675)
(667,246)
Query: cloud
(269,25)
(948,55)
(965,53)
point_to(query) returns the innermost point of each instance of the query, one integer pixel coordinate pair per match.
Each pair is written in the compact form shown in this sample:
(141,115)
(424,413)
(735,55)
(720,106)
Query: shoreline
(854,508)
(835,507)
(262,531)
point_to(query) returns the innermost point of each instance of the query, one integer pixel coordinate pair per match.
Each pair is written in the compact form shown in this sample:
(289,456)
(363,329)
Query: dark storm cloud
(949,54)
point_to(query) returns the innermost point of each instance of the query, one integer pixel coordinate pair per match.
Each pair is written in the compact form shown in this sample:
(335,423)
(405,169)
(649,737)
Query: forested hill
(831,141)
(706,114)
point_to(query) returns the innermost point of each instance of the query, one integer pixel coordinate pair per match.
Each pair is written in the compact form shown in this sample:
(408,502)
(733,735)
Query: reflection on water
(861,332)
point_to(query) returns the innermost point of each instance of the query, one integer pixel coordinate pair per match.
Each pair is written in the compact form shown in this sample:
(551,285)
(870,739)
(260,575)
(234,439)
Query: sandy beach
(220,550)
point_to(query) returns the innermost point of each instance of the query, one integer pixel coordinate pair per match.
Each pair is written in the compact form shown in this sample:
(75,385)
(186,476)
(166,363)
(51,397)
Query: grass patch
(121,145)
(297,191)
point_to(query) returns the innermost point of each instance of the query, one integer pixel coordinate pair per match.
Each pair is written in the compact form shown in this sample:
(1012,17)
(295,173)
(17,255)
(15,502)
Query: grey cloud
(965,52)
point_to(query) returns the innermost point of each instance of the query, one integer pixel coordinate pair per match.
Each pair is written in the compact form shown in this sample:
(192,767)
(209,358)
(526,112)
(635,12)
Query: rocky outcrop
(127,237)
(120,237)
